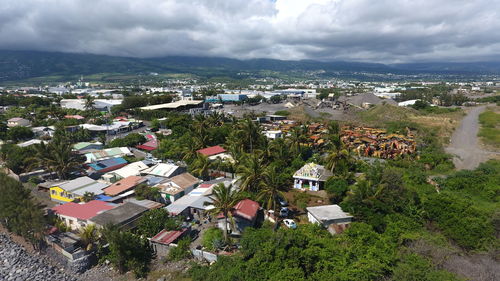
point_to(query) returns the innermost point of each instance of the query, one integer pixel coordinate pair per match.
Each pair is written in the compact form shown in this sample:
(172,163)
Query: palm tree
(271,189)
(223,199)
(296,139)
(200,166)
(89,236)
(279,149)
(333,135)
(89,103)
(88,196)
(251,132)
(339,162)
(189,151)
(57,157)
(251,172)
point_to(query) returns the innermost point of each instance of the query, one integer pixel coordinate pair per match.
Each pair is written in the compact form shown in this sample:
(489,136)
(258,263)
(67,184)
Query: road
(464,144)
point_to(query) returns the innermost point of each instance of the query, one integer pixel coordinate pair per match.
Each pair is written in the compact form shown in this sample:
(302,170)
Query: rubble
(17,264)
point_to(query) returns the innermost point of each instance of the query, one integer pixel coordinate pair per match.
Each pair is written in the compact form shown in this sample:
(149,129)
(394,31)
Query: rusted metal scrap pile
(371,142)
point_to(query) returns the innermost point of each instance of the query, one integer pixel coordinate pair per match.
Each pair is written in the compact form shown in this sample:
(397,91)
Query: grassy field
(442,121)
(490,127)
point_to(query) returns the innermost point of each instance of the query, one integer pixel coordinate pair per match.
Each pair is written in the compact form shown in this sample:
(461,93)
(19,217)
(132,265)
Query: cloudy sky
(360,30)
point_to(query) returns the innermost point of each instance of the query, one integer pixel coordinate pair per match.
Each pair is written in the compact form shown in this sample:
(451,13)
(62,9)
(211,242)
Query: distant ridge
(19,65)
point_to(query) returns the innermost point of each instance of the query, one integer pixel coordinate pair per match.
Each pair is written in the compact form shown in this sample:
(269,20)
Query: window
(53,192)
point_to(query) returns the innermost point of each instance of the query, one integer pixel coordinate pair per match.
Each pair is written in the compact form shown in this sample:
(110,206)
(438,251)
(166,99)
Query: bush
(181,251)
(213,238)
(282,112)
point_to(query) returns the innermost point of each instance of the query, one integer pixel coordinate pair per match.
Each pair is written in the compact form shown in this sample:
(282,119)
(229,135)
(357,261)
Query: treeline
(19,211)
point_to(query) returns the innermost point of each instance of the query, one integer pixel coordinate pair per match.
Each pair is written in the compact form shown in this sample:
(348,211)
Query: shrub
(181,251)
(213,238)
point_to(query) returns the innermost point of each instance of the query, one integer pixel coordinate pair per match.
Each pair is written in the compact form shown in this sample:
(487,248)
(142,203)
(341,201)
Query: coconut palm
(200,166)
(333,135)
(271,190)
(251,172)
(296,139)
(339,162)
(89,235)
(57,157)
(250,132)
(223,200)
(89,103)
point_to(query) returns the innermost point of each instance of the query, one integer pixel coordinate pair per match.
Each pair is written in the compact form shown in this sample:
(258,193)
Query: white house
(330,216)
(311,177)
(18,121)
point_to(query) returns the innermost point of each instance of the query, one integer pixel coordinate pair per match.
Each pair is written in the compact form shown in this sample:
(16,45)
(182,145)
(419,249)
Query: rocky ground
(17,264)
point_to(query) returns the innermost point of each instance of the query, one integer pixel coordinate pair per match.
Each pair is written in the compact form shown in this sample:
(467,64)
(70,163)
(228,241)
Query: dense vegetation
(490,127)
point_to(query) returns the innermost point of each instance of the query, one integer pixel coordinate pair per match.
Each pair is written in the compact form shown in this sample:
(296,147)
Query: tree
(200,166)
(89,236)
(19,133)
(340,163)
(88,196)
(143,191)
(19,212)
(57,157)
(89,103)
(128,251)
(223,199)
(154,221)
(213,239)
(271,189)
(251,172)
(181,251)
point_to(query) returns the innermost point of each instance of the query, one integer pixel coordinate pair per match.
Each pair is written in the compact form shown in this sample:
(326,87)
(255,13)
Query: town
(255,140)
(134,175)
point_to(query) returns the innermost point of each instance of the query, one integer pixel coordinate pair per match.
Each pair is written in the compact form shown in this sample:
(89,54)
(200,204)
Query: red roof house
(77,117)
(210,151)
(76,215)
(149,146)
(244,214)
(161,241)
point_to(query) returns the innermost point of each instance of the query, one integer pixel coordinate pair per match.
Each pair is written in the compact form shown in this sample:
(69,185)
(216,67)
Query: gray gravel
(17,264)
(464,142)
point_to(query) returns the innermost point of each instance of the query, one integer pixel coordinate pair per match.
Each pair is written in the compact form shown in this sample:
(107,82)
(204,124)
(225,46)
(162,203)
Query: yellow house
(75,189)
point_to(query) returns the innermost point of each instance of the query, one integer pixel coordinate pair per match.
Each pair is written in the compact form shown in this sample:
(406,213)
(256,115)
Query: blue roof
(102,197)
(104,164)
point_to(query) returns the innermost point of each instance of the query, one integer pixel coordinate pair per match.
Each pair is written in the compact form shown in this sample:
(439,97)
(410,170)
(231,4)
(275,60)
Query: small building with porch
(311,177)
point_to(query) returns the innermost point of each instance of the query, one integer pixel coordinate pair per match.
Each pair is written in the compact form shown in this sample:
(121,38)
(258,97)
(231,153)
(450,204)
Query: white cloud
(365,30)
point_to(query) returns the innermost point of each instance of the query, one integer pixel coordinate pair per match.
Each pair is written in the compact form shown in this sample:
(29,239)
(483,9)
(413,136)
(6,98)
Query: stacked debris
(371,142)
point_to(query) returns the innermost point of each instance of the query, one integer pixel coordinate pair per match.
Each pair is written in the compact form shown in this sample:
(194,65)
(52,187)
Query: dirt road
(465,144)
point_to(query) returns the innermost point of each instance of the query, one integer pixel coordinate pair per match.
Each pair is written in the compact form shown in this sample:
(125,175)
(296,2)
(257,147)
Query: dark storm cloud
(364,30)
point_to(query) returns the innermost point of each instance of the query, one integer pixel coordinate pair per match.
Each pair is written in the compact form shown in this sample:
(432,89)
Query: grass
(490,128)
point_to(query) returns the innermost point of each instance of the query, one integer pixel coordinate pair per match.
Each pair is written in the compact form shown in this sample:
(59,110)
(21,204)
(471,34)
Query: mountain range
(22,65)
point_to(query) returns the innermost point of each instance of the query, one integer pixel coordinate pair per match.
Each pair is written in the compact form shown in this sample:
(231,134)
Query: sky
(387,31)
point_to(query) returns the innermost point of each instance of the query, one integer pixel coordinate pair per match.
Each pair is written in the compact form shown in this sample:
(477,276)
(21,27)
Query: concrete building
(311,177)
(18,121)
(329,216)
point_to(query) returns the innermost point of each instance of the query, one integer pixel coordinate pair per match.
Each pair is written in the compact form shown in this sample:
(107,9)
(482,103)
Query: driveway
(464,144)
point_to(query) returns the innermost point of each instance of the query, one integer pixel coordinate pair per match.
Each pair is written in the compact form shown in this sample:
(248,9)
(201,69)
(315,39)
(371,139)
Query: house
(330,216)
(77,117)
(124,185)
(112,129)
(124,216)
(106,165)
(86,146)
(273,134)
(161,241)
(311,177)
(30,142)
(211,151)
(164,170)
(76,216)
(107,153)
(149,145)
(75,189)
(244,215)
(44,131)
(18,121)
(193,205)
(132,169)
(150,204)
(177,186)
(99,104)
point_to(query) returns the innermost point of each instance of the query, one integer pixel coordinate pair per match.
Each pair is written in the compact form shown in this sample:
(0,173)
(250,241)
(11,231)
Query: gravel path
(19,265)
(465,144)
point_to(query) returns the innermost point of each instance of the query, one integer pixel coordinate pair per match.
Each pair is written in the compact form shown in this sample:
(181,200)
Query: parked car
(290,223)
(284,212)
(282,201)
